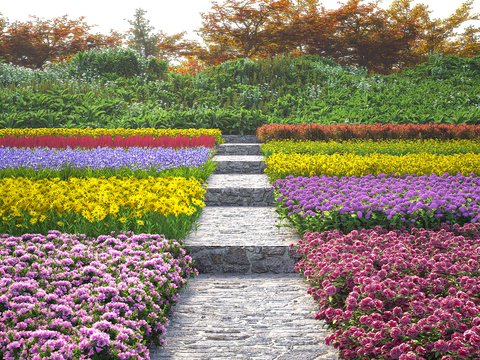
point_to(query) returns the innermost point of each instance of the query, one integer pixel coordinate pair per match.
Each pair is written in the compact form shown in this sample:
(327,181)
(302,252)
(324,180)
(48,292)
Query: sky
(172,17)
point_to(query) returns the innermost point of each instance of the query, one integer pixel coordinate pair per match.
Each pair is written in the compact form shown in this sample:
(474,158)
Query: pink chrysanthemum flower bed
(397,294)
(66,296)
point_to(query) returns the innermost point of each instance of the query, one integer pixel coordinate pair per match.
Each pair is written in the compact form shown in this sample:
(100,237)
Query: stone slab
(238,190)
(231,316)
(239,164)
(241,226)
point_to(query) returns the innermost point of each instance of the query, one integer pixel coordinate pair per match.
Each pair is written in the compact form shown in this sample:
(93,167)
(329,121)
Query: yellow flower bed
(114,132)
(95,198)
(280,165)
(363,147)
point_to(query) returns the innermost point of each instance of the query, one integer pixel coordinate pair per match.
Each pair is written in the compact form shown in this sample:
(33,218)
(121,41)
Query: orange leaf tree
(436,34)
(240,30)
(383,41)
(33,45)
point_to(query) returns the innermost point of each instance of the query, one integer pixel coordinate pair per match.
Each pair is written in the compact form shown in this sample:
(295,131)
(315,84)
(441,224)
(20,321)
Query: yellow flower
(140,222)
(33,220)
(122,220)
(59,223)
(42,218)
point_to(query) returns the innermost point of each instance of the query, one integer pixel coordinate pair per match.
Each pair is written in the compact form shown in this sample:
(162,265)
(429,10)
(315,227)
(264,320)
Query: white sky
(172,16)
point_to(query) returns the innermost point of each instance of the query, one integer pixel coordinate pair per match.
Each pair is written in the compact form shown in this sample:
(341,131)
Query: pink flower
(409,356)
(395,352)
(395,332)
(420,350)
(413,330)
(433,319)
(331,290)
(441,346)
(463,353)
(363,319)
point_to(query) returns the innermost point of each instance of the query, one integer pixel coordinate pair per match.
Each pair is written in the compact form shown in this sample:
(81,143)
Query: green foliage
(118,88)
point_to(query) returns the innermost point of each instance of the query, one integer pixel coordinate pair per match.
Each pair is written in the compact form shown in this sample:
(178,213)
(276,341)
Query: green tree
(140,37)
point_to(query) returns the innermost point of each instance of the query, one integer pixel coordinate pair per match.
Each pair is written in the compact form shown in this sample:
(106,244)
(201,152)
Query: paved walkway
(251,316)
(230,310)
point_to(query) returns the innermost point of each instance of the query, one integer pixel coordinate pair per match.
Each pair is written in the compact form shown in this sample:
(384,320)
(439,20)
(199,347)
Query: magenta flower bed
(70,297)
(395,294)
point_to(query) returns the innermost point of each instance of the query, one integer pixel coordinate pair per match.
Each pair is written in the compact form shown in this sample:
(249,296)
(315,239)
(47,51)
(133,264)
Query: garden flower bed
(390,241)
(397,294)
(66,289)
(96,298)
(89,142)
(95,206)
(348,203)
(40,163)
(281,165)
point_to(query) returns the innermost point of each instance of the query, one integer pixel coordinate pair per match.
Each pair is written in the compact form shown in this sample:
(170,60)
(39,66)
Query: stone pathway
(246,303)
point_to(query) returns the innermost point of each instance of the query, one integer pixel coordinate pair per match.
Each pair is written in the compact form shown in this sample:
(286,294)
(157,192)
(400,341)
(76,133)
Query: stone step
(234,316)
(238,190)
(238,149)
(242,239)
(239,164)
(249,139)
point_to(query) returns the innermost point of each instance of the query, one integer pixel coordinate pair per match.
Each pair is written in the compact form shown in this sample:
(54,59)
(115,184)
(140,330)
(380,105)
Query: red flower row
(89,142)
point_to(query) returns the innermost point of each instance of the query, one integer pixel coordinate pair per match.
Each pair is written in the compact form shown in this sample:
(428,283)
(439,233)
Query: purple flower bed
(397,294)
(64,296)
(134,158)
(327,203)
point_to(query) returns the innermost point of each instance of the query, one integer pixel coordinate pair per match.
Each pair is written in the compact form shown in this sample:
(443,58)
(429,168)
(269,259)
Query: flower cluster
(37,132)
(67,295)
(341,132)
(134,158)
(397,294)
(328,203)
(95,198)
(280,165)
(364,147)
(94,205)
(88,142)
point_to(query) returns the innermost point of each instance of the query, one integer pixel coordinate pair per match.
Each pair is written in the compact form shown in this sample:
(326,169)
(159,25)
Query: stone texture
(259,267)
(235,255)
(274,250)
(240,226)
(277,265)
(239,164)
(238,149)
(241,139)
(245,259)
(234,316)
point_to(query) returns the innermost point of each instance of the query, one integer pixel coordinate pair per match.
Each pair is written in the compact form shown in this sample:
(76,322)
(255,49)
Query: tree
(257,30)
(33,45)
(435,34)
(468,44)
(160,45)
(383,41)
(140,38)
(354,35)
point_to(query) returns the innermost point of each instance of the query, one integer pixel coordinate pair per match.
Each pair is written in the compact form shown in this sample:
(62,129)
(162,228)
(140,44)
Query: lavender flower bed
(134,158)
(65,295)
(367,201)
(395,294)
